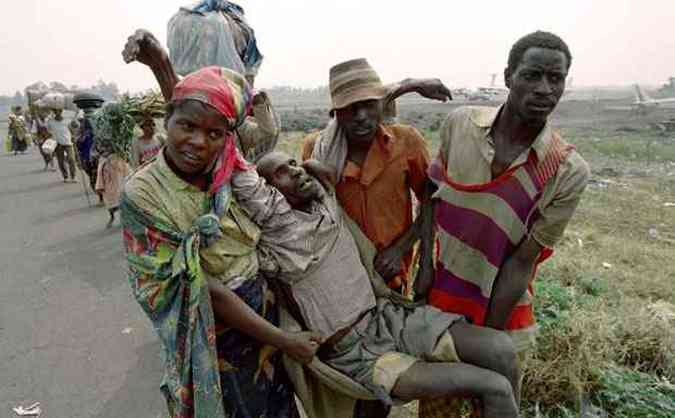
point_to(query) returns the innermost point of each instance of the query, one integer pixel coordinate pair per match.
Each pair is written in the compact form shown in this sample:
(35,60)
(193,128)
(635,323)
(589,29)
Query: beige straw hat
(354,81)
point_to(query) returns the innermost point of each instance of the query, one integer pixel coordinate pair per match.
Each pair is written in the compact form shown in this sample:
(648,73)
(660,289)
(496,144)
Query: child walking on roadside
(112,173)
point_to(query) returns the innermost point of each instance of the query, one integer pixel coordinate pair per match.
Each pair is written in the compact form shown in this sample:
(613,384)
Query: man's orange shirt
(377,195)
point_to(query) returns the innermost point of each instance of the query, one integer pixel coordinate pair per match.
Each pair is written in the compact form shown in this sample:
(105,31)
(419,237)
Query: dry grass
(647,339)
(579,343)
(606,299)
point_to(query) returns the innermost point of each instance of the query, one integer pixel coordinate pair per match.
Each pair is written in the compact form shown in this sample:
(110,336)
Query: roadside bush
(587,348)
(647,339)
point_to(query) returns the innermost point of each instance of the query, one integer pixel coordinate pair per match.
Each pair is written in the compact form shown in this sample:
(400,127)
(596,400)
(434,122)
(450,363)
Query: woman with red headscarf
(193,266)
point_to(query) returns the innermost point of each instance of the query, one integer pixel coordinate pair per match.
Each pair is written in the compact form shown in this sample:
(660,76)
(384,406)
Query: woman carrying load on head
(17,131)
(193,266)
(42,135)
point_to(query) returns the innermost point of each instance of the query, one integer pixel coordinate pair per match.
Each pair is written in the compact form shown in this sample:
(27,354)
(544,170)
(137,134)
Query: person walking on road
(41,135)
(65,152)
(17,131)
(111,175)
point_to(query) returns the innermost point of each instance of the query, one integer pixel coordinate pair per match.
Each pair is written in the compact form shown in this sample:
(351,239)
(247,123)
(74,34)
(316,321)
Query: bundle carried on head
(115,124)
(213,32)
(148,106)
(88,101)
(114,128)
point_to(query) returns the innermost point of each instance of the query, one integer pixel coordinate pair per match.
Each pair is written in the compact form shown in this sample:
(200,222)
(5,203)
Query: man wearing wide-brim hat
(377,163)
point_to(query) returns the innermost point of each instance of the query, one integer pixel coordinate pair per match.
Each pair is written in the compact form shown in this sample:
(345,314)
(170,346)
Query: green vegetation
(643,145)
(632,394)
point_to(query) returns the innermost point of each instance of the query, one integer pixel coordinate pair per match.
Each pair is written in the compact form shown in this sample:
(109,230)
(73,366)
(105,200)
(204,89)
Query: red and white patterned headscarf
(230,94)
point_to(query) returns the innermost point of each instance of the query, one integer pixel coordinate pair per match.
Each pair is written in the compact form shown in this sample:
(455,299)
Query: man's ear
(507,77)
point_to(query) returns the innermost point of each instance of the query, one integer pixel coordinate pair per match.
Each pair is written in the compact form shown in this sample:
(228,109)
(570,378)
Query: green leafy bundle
(115,124)
(150,105)
(114,128)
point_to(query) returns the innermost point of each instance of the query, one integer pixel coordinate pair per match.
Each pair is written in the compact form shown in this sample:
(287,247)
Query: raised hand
(260,98)
(432,88)
(143,47)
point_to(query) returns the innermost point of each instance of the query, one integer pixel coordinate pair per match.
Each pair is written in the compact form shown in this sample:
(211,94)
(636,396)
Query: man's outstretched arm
(143,47)
(431,88)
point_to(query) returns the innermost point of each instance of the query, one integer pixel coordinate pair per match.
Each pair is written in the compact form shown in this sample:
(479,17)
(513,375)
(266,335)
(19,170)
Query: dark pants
(91,168)
(254,384)
(65,154)
(18,145)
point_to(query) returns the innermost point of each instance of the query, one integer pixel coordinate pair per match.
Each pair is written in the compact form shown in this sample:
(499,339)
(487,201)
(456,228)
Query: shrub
(583,342)
(627,393)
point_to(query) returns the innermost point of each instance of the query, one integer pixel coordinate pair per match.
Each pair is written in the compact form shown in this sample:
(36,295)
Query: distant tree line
(305,120)
(108,91)
(9,101)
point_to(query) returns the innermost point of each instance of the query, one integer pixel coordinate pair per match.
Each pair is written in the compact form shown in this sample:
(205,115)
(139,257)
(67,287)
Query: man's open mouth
(306,184)
(541,106)
(362,131)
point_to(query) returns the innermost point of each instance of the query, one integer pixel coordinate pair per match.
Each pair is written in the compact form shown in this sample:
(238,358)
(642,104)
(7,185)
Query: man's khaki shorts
(388,341)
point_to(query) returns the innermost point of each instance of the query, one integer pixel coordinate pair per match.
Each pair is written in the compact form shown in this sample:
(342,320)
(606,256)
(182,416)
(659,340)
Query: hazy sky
(613,41)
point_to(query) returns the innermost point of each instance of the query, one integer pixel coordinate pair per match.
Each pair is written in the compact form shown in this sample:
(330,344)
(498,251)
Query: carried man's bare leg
(436,380)
(488,372)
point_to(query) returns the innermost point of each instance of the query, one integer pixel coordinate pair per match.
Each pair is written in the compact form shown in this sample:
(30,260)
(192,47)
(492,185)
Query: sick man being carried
(392,349)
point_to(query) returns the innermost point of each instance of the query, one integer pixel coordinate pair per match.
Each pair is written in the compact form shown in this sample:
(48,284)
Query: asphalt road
(71,335)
